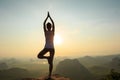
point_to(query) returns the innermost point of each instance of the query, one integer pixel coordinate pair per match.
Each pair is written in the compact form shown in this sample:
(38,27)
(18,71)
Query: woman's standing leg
(50,61)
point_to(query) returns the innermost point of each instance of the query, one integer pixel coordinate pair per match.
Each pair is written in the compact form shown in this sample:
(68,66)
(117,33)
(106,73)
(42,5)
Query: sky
(85,27)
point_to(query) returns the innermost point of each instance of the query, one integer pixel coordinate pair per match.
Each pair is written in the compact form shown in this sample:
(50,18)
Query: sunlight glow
(57,39)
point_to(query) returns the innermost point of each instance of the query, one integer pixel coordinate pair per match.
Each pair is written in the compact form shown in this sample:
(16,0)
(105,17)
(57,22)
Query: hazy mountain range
(83,68)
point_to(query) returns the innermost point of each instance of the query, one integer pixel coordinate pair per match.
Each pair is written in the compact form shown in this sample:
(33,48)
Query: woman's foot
(49,78)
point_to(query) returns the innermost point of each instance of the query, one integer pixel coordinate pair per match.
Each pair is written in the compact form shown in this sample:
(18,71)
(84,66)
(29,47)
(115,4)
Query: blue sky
(91,26)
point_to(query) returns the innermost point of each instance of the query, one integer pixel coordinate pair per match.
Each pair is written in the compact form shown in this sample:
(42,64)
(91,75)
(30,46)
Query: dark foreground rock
(54,77)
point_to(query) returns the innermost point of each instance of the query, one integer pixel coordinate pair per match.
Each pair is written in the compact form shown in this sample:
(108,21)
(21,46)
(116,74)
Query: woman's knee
(40,56)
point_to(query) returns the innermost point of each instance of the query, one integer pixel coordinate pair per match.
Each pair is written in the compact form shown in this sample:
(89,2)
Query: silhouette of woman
(49,30)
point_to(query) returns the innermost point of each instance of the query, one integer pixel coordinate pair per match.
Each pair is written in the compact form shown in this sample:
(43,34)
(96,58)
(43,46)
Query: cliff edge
(54,77)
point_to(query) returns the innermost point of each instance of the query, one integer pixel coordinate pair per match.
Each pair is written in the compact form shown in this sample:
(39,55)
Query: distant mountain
(13,74)
(73,69)
(100,66)
(89,61)
(99,70)
(3,66)
(115,63)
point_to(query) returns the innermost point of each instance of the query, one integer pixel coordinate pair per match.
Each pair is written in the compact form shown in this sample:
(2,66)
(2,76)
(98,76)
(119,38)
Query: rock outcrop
(54,77)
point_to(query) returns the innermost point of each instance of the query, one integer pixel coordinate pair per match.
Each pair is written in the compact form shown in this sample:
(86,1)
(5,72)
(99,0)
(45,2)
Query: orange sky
(85,27)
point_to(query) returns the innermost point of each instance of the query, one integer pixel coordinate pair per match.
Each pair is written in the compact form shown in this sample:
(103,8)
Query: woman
(49,31)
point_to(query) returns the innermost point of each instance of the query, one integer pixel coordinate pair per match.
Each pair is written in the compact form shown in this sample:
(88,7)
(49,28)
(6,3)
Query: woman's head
(49,26)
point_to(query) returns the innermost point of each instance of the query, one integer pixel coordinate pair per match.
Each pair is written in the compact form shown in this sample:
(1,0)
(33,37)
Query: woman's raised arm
(52,22)
(44,26)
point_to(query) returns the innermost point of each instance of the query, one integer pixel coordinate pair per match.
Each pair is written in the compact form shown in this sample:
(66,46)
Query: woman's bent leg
(42,53)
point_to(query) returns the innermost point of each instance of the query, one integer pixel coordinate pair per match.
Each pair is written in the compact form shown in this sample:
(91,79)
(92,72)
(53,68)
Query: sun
(57,39)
